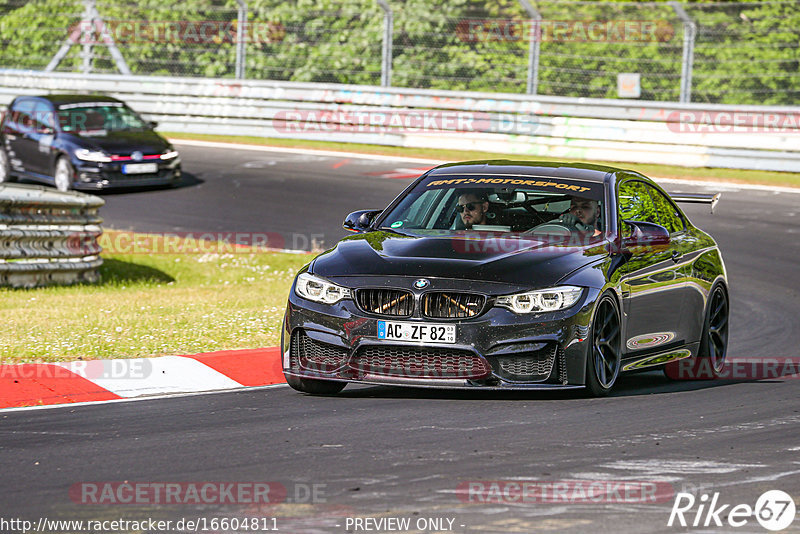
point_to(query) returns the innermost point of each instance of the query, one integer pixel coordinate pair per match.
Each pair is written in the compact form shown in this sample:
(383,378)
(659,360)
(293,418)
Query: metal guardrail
(693,135)
(48,237)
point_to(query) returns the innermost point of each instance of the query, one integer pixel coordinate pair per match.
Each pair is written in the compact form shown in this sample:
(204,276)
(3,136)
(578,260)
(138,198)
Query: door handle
(676,256)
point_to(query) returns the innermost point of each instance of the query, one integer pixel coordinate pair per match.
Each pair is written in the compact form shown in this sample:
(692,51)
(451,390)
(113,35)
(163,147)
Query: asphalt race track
(294,197)
(381,452)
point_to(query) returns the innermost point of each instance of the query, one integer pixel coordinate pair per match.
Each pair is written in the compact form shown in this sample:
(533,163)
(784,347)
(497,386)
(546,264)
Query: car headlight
(319,290)
(92,155)
(172,154)
(542,300)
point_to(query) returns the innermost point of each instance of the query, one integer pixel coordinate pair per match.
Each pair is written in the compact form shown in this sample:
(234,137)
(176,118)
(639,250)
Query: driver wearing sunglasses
(472,208)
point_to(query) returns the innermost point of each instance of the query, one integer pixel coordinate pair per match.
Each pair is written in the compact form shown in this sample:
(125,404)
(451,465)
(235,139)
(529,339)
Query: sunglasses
(471,206)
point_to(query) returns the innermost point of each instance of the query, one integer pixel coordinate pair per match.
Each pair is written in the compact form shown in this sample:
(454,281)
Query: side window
(669,216)
(44,117)
(636,204)
(22,114)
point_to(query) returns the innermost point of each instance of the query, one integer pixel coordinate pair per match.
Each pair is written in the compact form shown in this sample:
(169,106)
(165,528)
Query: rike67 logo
(774,510)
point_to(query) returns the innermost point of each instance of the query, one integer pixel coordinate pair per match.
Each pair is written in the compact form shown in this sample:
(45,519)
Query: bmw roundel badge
(421,283)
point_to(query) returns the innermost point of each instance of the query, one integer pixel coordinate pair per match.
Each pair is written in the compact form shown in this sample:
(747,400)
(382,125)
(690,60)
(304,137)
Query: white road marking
(138,399)
(307,151)
(659,466)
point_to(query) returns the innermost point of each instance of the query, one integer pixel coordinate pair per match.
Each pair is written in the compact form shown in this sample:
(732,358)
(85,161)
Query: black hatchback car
(88,142)
(500,274)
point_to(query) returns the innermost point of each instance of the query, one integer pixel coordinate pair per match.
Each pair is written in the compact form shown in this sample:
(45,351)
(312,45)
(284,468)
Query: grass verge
(152,305)
(786,179)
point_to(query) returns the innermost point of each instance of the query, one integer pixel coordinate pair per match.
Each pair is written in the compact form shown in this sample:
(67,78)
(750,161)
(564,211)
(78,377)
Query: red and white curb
(42,384)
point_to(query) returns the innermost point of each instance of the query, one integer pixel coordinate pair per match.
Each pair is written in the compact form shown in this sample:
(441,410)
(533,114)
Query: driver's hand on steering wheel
(569,219)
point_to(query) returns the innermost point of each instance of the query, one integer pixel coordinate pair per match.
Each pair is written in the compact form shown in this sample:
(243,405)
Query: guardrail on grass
(692,135)
(48,237)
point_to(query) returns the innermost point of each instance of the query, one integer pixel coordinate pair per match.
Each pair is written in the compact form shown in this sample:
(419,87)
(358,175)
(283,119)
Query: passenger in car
(472,208)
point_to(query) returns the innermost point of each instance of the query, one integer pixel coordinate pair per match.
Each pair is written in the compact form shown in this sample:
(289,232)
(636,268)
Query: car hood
(125,142)
(526,262)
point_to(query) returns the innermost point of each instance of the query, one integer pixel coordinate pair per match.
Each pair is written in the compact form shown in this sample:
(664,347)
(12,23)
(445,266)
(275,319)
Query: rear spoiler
(697,198)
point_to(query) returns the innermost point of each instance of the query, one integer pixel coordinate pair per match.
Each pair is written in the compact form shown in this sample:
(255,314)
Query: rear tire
(64,175)
(710,359)
(603,361)
(5,168)
(315,387)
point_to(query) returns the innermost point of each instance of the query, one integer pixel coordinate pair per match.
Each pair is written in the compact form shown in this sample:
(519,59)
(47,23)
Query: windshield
(99,119)
(516,205)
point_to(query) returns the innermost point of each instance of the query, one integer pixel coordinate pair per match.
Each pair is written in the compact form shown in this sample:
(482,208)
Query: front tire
(603,360)
(315,387)
(5,168)
(64,174)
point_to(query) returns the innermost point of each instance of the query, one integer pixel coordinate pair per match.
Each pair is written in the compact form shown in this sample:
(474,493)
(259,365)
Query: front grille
(312,355)
(533,366)
(451,305)
(393,302)
(419,362)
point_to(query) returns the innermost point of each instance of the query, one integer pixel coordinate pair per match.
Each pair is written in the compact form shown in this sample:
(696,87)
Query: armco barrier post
(534,38)
(689,32)
(240,37)
(48,237)
(386,58)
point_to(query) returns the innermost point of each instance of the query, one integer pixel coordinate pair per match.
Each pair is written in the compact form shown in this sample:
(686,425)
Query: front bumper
(102,176)
(498,349)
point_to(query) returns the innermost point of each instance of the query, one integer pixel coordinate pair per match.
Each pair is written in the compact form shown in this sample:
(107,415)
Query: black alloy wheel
(603,363)
(714,343)
(710,359)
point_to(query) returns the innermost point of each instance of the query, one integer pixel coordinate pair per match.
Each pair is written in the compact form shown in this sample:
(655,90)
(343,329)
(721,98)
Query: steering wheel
(555,228)
(533,211)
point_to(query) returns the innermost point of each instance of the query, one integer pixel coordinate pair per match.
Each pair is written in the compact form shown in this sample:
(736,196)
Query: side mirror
(153,124)
(360,221)
(645,234)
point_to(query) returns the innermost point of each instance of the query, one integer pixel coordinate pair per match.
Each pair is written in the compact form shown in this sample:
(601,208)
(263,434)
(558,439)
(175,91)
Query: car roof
(556,169)
(64,99)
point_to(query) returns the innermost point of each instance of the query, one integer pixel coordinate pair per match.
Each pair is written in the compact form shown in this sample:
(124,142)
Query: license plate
(140,168)
(419,333)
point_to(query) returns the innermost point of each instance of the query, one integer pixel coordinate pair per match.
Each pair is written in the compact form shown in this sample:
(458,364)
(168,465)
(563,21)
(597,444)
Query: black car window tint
(667,213)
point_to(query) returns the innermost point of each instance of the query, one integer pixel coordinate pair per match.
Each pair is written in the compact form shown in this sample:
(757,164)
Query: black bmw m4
(502,275)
